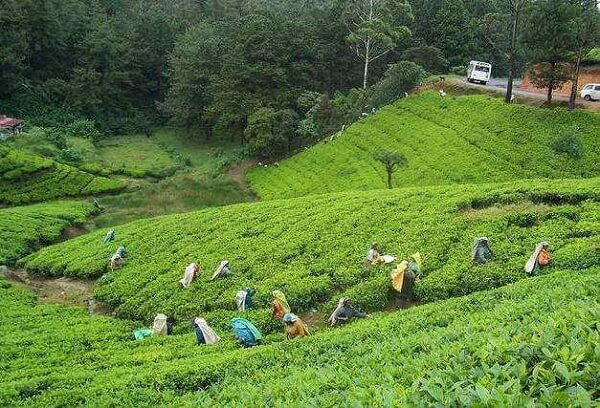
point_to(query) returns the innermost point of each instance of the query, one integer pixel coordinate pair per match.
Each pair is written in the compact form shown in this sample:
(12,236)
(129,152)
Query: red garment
(278,311)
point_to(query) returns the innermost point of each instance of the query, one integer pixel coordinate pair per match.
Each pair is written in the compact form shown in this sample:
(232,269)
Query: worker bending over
(204,333)
(245,332)
(190,273)
(294,326)
(117,259)
(243,299)
(344,312)
(222,271)
(481,253)
(539,259)
(280,305)
(404,277)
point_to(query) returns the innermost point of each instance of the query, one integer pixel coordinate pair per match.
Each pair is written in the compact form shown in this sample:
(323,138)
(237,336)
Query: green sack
(140,334)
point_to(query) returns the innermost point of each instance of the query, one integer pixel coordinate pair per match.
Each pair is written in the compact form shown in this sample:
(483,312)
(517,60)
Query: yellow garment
(296,329)
(417,257)
(277,294)
(398,276)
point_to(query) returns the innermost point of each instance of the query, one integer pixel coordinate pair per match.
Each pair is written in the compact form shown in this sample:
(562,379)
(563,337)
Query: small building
(9,126)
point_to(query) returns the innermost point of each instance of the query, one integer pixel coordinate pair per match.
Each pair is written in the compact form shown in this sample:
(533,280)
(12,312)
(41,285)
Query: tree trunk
(511,62)
(389,179)
(366,70)
(575,81)
(549,97)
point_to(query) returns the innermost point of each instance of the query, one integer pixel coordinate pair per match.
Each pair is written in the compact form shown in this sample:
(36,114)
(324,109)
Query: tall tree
(551,38)
(376,28)
(501,32)
(587,34)
(516,7)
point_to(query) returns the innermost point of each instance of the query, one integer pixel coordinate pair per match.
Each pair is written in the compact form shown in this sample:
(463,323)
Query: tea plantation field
(25,229)
(25,178)
(313,247)
(464,139)
(527,344)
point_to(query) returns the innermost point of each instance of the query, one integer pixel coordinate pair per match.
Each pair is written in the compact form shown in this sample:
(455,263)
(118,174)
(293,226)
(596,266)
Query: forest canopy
(275,75)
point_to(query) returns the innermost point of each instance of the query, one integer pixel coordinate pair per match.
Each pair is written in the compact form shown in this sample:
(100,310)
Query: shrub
(568,144)
(458,70)
(398,79)
(84,128)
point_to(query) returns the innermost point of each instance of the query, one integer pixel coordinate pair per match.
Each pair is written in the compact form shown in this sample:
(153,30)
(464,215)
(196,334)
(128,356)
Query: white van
(591,92)
(479,72)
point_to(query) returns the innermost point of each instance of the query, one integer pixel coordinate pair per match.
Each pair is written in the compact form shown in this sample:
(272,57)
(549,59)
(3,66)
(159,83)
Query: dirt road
(499,85)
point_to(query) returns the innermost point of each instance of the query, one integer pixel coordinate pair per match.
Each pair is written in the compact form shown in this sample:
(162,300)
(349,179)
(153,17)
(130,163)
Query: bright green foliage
(468,139)
(24,229)
(133,155)
(26,178)
(314,247)
(532,342)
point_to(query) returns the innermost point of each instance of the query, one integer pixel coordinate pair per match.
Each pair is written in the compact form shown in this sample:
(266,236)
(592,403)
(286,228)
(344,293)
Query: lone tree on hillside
(376,28)
(392,162)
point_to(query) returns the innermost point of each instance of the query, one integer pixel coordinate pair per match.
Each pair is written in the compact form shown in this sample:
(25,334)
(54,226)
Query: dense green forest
(276,74)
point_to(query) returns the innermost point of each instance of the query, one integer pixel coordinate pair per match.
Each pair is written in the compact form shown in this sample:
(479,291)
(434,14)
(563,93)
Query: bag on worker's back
(140,334)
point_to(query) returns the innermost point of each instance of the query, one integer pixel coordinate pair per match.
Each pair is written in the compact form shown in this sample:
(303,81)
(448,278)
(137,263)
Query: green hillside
(313,247)
(26,178)
(466,139)
(24,229)
(532,343)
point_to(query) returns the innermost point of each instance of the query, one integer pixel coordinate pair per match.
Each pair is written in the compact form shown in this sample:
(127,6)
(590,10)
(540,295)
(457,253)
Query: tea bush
(26,178)
(466,139)
(534,343)
(313,248)
(24,229)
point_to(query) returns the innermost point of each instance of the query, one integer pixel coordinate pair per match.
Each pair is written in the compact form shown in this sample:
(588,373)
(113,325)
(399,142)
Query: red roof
(9,123)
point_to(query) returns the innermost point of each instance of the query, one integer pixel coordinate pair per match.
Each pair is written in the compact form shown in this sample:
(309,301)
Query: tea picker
(109,237)
(280,305)
(374,258)
(404,277)
(117,259)
(162,326)
(245,332)
(190,273)
(539,259)
(204,333)
(294,327)
(344,312)
(243,299)
(222,271)
(480,252)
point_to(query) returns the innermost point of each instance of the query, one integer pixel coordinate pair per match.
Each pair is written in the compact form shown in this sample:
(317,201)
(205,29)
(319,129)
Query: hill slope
(313,247)
(531,343)
(23,229)
(26,178)
(466,139)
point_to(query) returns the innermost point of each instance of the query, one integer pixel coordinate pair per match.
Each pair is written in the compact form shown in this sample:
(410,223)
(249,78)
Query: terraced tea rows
(24,229)
(532,343)
(313,247)
(26,179)
(467,139)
